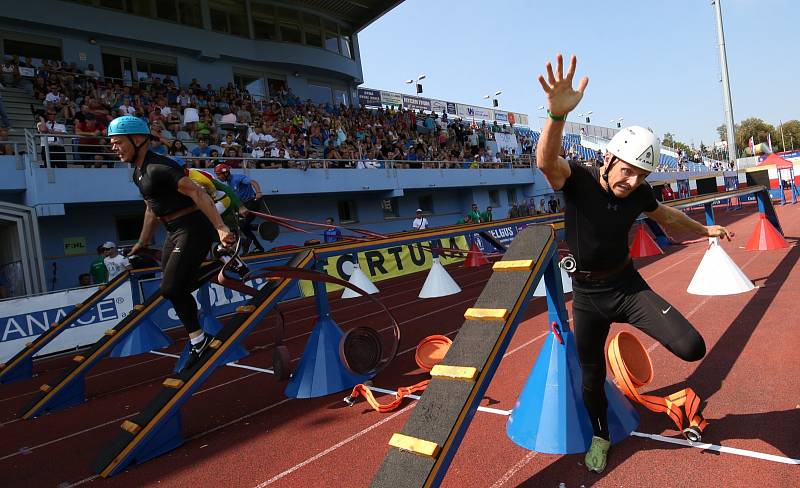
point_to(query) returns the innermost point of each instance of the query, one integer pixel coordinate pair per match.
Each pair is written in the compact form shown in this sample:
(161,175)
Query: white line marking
(515,469)
(334,447)
(714,447)
(232,364)
(78,483)
(39,446)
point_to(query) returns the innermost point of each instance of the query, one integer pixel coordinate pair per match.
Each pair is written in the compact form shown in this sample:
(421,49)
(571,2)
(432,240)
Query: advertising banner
(522,119)
(473,112)
(391,98)
(24,319)
(369,98)
(501,117)
(416,103)
(390,262)
(506,141)
(438,106)
(451,108)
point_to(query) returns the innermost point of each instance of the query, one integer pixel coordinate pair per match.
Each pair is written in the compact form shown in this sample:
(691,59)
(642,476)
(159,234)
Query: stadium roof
(358,13)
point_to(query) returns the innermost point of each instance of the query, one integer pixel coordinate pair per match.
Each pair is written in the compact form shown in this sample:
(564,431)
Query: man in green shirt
(98,268)
(475,214)
(487,215)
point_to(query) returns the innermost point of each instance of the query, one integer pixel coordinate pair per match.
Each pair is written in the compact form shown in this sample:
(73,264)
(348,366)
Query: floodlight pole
(726,87)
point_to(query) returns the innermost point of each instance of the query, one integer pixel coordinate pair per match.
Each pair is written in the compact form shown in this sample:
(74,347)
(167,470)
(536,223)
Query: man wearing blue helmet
(186,211)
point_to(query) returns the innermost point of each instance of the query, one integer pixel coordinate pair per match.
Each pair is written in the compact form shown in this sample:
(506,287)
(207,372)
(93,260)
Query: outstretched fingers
(550,76)
(582,84)
(571,72)
(544,84)
(560,65)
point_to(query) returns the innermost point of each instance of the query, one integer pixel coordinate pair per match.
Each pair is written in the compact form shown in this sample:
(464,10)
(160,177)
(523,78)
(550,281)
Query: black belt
(602,275)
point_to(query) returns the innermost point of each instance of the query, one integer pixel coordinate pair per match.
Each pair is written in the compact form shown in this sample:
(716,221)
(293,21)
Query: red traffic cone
(475,257)
(765,237)
(644,245)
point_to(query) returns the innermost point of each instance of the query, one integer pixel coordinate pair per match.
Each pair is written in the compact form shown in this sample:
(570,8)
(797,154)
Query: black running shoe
(196,351)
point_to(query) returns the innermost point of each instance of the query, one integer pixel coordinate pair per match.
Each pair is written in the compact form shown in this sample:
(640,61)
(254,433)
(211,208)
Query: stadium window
(390,207)
(494,198)
(263,21)
(230,17)
(426,204)
(115,4)
(289,25)
(347,45)
(511,194)
(347,211)
(37,52)
(340,97)
(253,84)
(319,93)
(190,13)
(128,228)
(331,35)
(311,29)
(165,10)
(139,7)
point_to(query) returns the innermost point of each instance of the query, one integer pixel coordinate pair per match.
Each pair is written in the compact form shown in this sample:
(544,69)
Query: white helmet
(636,146)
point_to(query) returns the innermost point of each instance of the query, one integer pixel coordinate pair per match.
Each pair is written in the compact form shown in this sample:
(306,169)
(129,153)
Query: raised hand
(561,98)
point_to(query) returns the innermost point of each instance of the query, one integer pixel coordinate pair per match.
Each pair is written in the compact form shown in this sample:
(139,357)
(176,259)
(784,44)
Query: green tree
(755,128)
(791,136)
(723,132)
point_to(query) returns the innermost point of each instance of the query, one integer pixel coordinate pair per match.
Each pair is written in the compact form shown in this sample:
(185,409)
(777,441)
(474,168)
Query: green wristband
(558,118)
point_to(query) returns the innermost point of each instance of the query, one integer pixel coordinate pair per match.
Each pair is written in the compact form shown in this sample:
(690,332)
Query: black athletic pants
(188,241)
(626,299)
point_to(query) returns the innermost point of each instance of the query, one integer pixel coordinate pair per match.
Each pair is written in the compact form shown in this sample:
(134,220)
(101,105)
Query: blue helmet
(128,125)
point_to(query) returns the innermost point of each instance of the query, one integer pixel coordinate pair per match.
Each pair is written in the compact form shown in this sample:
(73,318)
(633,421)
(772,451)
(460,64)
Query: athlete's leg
(591,325)
(184,252)
(647,311)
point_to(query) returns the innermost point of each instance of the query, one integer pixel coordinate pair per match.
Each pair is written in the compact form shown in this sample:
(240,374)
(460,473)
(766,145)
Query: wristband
(557,118)
(142,243)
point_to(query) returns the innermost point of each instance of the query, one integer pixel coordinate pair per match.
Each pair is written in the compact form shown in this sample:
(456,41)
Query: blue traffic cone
(550,416)
(321,371)
(146,336)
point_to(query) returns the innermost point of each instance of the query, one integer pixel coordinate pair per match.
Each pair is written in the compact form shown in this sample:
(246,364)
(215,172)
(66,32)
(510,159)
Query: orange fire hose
(633,369)
(430,352)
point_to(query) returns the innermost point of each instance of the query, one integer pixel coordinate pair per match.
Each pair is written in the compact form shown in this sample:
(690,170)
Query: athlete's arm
(679,221)
(148,229)
(561,99)
(192,190)
(256,188)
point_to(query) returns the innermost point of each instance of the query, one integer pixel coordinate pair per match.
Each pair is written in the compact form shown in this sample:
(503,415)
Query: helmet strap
(607,170)
(136,148)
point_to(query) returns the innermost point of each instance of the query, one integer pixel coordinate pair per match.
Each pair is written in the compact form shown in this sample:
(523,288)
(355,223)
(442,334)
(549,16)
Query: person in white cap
(420,222)
(114,261)
(601,206)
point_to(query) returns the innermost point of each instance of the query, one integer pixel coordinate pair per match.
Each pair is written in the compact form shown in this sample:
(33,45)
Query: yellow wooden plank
(45,388)
(486,314)
(467,373)
(131,427)
(215,344)
(110,332)
(245,309)
(78,359)
(412,444)
(518,265)
(173,383)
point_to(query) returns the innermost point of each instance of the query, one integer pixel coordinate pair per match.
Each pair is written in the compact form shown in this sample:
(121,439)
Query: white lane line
(334,447)
(714,447)
(232,364)
(515,469)
(78,483)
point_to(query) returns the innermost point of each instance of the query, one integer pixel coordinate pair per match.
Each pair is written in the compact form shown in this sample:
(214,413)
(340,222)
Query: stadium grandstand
(256,85)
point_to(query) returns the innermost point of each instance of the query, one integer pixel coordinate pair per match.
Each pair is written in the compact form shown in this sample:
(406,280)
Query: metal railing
(16,152)
(66,151)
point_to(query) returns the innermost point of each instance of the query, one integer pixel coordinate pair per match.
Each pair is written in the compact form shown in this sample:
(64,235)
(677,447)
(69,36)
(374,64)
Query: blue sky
(654,63)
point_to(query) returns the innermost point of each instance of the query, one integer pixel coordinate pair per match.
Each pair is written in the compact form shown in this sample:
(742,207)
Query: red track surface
(242,431)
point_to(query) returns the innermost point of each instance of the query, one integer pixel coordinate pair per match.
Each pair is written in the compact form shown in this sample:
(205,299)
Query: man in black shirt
(187,212)
(601,206)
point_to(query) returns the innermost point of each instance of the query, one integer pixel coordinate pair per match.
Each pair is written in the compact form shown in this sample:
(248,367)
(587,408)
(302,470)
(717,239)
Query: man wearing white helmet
(601,206)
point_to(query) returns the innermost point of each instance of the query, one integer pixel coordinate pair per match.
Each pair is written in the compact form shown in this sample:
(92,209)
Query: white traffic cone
(438,283)
(359,279)
(566,284)
(718,274)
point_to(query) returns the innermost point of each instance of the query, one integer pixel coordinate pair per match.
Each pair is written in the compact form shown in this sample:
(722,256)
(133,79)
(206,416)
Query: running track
(242,431)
